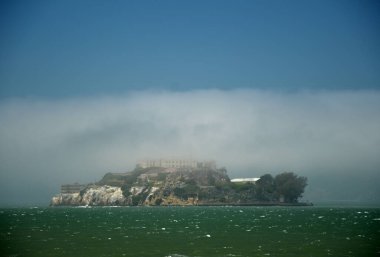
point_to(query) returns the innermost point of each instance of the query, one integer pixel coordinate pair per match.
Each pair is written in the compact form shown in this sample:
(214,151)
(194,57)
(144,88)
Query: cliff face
(93,195)
(113,196)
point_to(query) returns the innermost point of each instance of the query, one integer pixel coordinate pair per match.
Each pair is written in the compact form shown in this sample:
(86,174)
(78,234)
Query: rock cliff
(92,195)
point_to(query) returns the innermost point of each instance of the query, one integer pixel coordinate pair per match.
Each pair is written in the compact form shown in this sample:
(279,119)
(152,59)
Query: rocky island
(183,184)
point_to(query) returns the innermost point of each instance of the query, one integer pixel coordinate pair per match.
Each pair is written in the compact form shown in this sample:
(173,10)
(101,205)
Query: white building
(240,180)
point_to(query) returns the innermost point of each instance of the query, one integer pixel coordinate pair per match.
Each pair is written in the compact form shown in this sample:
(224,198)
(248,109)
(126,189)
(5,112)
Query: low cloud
(322,135)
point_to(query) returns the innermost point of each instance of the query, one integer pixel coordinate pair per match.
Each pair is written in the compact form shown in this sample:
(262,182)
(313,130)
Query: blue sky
(80,48)
(88,87)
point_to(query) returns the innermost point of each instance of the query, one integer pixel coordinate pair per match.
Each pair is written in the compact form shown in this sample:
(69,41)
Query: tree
(289,186)
(265,188)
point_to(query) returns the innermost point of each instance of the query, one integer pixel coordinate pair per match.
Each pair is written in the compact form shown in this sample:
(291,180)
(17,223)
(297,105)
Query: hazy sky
(88,87)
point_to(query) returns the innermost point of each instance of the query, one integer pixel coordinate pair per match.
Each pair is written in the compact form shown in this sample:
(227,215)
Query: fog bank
(332,137)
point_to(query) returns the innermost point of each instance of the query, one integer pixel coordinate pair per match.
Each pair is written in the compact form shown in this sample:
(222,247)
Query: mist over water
(331,137)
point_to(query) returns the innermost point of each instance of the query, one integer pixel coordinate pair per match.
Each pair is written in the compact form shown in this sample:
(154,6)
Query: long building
(71,188)
(176,163)
(241,180)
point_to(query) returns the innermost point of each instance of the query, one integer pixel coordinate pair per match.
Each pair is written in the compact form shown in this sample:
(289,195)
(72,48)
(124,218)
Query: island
(183,183)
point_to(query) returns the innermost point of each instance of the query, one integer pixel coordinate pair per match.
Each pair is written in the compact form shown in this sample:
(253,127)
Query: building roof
(244,179)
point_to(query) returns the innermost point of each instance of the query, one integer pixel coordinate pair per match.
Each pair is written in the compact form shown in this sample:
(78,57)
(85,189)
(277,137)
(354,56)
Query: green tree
(265,188)
(289,186)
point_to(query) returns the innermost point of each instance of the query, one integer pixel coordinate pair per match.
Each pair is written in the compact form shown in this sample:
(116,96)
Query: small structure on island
(243,180)
(71,188)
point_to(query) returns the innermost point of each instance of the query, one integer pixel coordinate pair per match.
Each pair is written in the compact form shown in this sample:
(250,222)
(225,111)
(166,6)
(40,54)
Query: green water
(190,231)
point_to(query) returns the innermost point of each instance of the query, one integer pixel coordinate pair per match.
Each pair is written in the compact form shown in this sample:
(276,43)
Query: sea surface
(190,231)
